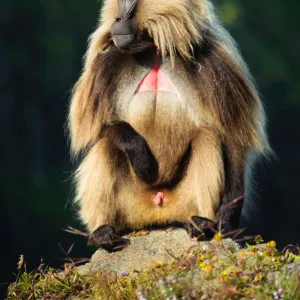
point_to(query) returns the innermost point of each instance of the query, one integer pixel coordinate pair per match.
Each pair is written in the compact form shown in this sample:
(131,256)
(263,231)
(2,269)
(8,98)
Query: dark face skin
(124,29)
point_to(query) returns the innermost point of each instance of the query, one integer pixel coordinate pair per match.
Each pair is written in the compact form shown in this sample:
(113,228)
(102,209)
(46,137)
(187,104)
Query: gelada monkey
(166,119)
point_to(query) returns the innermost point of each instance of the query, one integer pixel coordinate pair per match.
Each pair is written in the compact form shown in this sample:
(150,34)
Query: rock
(144,250)
(293,268)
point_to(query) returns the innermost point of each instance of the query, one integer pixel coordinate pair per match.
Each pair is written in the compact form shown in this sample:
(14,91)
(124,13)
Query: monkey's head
(173,26)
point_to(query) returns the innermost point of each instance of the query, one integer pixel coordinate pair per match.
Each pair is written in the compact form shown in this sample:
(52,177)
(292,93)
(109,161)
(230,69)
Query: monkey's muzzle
(123,41)
(124,29)
(123,34)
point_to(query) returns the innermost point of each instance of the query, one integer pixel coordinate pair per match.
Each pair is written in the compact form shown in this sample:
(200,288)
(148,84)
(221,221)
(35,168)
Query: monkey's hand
(106,237)
(141,158)
(136,148)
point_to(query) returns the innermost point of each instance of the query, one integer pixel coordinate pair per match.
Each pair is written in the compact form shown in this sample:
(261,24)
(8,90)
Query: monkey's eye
(118,19)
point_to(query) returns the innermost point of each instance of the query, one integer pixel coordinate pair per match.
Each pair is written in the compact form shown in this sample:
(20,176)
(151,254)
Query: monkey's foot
(106,237)
(228,215)
(200,228)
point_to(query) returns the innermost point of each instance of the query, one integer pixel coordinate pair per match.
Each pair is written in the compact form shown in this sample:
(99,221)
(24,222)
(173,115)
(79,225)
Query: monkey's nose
(123,41)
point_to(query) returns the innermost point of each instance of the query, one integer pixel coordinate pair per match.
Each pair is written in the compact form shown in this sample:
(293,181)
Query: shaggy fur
(201,136)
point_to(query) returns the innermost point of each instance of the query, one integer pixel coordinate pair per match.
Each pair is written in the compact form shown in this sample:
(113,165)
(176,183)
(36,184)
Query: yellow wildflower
(201,257)
(206,268)
(243,253)
(218,236)
(271,244)
(258,277)
(224,277)
(224,272)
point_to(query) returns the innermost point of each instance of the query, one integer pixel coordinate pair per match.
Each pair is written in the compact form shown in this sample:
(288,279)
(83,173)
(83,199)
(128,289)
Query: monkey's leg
(229,213)
(96,180)
(204,181)
(136,148)
(231,199)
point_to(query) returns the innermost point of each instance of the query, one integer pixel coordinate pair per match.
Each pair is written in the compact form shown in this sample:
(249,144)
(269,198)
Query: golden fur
(208,110)
(131,203)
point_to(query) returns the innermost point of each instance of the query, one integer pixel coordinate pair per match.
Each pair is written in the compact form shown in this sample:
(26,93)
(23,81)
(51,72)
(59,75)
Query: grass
(214,270)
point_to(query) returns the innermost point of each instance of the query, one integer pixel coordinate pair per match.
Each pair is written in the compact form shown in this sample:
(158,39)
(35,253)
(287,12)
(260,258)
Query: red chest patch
(156,81)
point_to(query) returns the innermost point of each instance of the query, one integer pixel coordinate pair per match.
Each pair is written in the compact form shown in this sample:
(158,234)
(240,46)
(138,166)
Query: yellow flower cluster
(271,244)
(244,253)
(258,277)
(206,268)
(201,257)
(224,275)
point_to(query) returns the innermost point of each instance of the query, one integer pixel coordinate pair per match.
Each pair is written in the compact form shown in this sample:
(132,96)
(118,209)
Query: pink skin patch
(156,80)
(159,199)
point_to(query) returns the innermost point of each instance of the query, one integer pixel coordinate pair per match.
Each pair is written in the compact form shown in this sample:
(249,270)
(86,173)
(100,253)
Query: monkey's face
(173,26)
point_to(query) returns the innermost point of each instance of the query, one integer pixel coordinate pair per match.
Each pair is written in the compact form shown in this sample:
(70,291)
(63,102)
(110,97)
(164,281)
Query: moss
(215,270)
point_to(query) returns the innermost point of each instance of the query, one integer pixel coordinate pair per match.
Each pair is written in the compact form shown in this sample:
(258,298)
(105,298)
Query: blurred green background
(41,49)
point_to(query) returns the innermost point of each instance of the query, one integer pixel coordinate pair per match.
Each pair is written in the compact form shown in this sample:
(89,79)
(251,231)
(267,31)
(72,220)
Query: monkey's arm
(229,212)
(92,104)
(136,148)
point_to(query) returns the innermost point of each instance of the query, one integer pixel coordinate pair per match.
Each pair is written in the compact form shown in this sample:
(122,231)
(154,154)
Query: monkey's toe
(106,237)
(200,228)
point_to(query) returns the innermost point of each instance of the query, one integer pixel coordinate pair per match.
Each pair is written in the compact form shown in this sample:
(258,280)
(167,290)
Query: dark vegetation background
(41,49)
